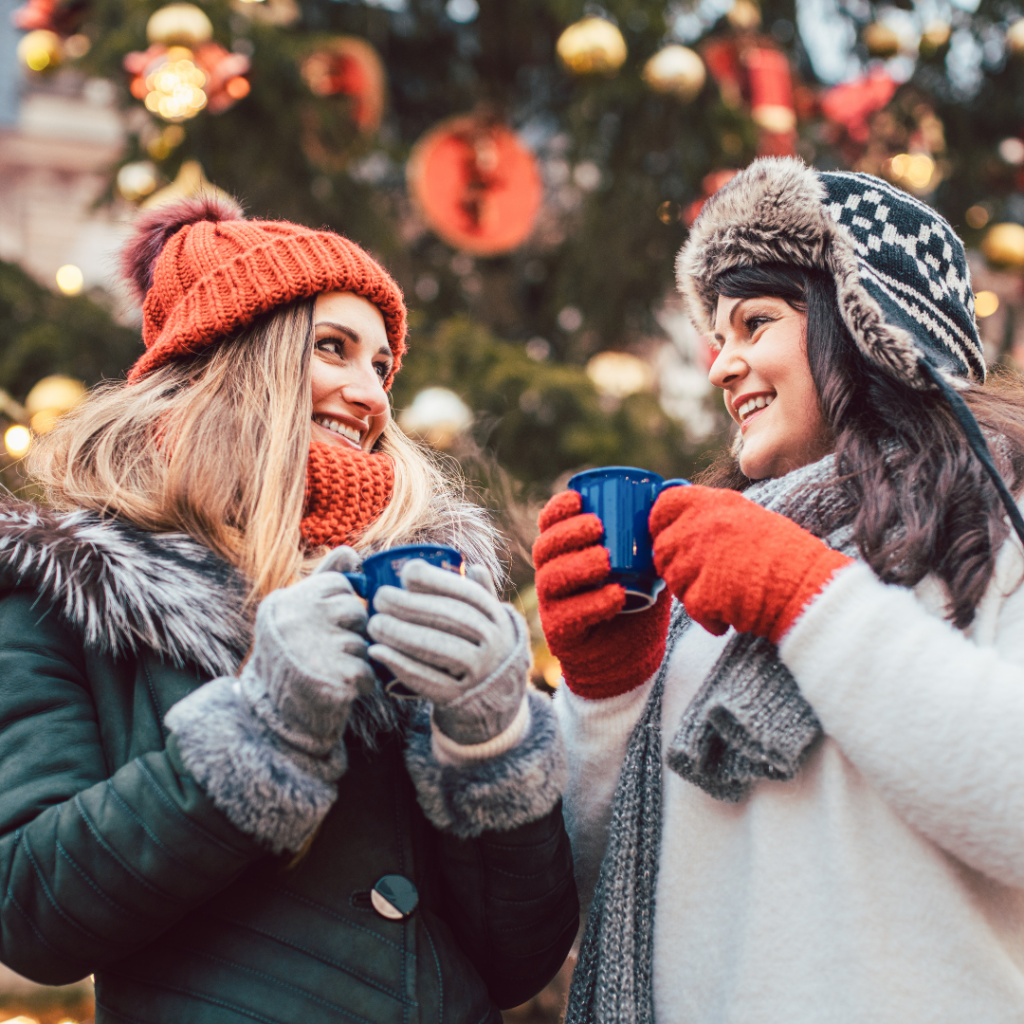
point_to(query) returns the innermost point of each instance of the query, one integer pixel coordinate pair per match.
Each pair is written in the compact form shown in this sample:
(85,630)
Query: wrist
(448,751)
(818,576)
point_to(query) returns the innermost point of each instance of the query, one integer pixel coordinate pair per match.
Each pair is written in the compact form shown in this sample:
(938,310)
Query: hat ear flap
(155,228)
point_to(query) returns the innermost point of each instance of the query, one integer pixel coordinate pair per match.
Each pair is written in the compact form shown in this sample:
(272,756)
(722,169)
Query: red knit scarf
(346,490)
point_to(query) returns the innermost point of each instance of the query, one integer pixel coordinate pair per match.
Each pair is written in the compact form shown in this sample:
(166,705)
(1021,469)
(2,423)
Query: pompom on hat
(204,272)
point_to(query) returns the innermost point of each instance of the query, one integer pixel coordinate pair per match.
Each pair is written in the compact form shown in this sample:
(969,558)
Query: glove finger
(571,617)
(671,504)
(421,577)
(441,613)
(317,587)
(344,611)
(432,647)
(422,679)
(339,559)
(573,573)
(582,531)
(561,506)
(479,574)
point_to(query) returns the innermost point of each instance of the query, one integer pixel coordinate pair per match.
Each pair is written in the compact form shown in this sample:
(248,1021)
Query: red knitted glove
(733,563)
(602,653)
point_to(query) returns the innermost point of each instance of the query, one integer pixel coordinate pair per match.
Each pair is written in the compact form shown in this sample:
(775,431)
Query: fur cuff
(503,793)
(279,796)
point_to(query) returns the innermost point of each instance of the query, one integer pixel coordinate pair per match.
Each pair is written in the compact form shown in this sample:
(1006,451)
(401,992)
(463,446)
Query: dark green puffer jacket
(114,862)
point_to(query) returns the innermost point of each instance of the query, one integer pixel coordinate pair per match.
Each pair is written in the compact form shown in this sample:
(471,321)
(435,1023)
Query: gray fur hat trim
(902,280)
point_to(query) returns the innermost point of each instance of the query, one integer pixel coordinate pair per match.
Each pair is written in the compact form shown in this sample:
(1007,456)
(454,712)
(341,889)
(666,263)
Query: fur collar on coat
(127,590)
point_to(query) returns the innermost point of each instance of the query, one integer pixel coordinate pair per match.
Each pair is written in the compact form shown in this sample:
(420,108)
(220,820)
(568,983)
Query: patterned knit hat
(901,273)
(203,272)
(902,281)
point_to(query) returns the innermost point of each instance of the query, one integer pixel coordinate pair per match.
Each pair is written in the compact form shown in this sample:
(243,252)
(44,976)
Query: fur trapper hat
(203,272)
(901,274)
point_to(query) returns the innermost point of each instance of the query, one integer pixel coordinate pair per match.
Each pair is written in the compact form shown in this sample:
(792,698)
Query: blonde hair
(216,447)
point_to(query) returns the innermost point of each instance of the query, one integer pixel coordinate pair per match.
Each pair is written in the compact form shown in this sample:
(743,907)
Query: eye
(331,346)
(755,322)
(383,369)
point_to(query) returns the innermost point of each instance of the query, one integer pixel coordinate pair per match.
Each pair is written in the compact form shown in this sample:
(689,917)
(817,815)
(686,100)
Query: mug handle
(358,581)
(677,482)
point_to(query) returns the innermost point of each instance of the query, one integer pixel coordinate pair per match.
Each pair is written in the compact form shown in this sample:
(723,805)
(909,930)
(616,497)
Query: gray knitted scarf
(747,722)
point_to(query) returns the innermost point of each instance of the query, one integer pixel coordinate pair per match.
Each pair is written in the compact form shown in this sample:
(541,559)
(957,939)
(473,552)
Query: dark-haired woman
(798,788)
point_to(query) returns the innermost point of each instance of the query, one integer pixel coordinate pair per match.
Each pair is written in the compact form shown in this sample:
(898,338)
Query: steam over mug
(383,570)
(622,498)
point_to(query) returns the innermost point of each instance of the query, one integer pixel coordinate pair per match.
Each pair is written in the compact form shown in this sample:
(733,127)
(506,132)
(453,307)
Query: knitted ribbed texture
(213,278)
(749,720)
(613,979)
(346,490)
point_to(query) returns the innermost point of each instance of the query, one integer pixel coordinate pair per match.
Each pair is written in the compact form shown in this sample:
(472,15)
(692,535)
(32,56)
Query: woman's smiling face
(762,369)
(351,361)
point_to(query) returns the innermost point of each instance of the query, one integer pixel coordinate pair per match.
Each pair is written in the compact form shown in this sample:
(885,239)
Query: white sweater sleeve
(596,734)
(932,720)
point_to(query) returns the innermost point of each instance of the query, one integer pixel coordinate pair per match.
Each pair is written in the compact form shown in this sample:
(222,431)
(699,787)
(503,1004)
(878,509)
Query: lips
(342,430)
(747,407)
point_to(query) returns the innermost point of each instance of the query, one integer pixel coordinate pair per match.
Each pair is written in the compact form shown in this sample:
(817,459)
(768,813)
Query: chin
(754,465)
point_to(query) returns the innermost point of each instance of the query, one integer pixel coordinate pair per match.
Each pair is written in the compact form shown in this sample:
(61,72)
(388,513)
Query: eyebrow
(352,335)
(732,320)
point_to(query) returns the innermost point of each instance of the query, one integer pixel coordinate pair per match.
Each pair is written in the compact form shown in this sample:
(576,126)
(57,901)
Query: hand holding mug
(448,639)
(602,652)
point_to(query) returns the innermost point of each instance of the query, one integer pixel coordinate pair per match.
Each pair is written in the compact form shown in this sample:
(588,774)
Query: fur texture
(276,794)
(154,229)
(779,210)
(126,590)
(493,795)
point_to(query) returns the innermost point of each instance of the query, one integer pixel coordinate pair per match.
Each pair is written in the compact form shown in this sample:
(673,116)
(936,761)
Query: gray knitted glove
(267,747)
(450,640)
(308,660)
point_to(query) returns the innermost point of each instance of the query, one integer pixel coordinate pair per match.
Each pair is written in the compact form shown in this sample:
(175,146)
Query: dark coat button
(394,897)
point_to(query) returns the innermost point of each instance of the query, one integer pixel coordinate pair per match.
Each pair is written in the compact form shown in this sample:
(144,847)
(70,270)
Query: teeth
(349,433)
(753,404)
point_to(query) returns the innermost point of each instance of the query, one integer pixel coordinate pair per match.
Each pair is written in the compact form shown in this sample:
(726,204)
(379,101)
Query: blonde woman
(206,799)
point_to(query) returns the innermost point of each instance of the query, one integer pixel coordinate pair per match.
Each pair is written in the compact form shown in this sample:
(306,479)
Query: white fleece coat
(885,884)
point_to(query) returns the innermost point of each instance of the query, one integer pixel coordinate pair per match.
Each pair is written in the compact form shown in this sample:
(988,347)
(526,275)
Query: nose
(365,390)
(728,367)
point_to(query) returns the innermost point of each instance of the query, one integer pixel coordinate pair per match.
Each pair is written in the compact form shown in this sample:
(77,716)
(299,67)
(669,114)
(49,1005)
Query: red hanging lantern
(351,67)
(852,104)
(771,90)
(722,59)
(476,184)
(61,16)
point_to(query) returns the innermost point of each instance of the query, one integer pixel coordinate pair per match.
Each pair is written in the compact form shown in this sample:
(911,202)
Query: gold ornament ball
(1003,246)
(1015,37)
(592,46)
(54,395)
(881,41)
(40,50)
(676,70)
(136,180)
(934,37)
(744,16)
(184,24)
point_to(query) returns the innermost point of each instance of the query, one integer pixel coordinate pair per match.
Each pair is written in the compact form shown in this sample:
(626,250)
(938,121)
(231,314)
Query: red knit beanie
(203,272)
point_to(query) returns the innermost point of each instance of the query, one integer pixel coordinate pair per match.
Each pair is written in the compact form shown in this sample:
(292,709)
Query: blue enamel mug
(622,498)
(384,570)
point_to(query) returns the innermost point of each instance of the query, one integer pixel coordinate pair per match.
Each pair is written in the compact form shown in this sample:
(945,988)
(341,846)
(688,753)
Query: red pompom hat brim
(205,273)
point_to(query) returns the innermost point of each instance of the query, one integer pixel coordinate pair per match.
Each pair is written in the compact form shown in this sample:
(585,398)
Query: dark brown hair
(919,500)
